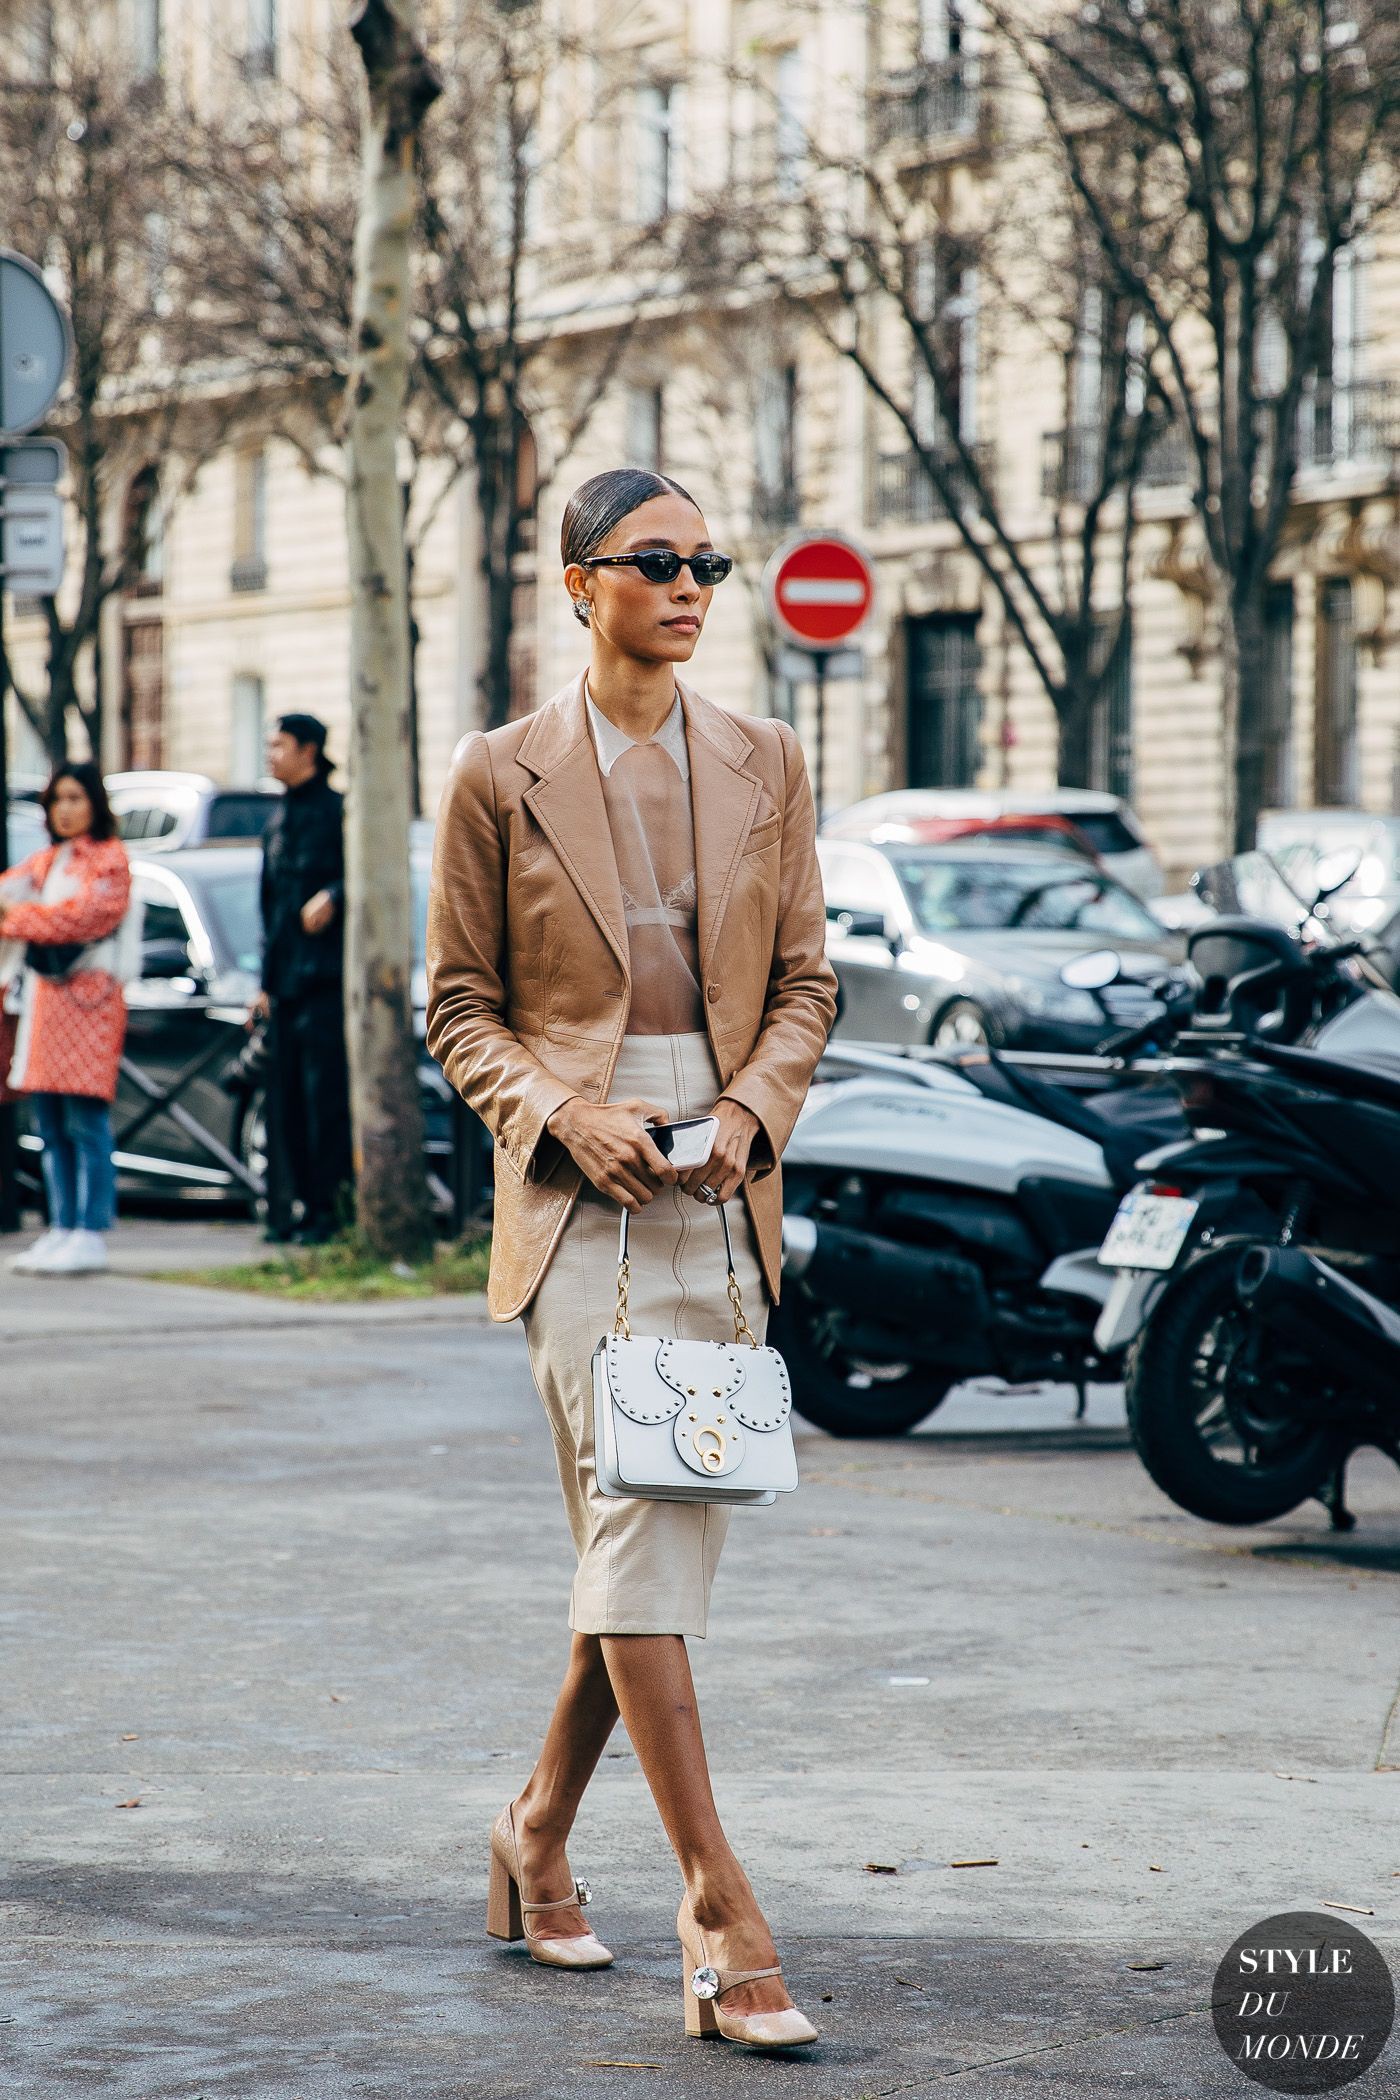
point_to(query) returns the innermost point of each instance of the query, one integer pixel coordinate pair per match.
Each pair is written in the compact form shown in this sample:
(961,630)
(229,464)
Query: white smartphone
(688,1143)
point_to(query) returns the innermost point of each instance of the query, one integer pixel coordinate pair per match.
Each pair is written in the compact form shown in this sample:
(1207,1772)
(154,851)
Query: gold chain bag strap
(677,1420)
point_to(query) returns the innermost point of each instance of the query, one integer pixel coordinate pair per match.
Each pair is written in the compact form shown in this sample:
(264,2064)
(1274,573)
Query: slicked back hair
(598,506)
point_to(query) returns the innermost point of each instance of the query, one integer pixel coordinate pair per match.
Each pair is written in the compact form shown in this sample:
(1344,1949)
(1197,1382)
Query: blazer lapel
(567,803)
(723,797)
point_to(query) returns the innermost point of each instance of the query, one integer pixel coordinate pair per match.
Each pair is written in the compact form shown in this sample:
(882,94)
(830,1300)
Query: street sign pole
(820,588)
(819,660)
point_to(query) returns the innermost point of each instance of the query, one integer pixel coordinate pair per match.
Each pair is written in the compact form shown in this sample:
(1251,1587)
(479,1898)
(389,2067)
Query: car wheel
(962,1025)
(252,1149)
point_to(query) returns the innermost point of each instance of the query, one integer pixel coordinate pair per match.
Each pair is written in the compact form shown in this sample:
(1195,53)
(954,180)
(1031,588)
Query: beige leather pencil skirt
(643,1567)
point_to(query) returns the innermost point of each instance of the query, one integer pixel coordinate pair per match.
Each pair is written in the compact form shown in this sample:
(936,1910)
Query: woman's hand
(610,1142)
(728,1163)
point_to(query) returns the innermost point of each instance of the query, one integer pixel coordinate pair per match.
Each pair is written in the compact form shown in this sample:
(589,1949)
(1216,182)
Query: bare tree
(386,1109)
(1267,137)
(899,277)
(488,397)
(86,171)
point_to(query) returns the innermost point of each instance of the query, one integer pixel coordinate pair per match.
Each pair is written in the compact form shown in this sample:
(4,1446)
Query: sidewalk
(285,1617)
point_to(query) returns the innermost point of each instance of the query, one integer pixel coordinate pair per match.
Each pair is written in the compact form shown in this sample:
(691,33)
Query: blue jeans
(79,1176)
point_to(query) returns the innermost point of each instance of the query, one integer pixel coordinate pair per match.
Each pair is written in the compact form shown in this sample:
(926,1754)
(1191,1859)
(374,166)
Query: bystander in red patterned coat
(71,1029)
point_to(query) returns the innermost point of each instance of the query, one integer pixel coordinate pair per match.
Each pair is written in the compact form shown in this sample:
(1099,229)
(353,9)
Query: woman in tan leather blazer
(626,924)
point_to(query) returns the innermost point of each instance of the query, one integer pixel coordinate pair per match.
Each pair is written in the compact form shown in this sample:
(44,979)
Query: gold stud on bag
(683,1421)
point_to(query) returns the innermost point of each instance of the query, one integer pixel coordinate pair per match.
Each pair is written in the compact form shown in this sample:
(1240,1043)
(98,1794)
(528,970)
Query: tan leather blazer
(528,982)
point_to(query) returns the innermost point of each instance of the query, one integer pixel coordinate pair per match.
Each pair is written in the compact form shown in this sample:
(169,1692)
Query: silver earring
(581,610)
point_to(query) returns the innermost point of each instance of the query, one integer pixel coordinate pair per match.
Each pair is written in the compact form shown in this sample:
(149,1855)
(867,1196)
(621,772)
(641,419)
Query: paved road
(292,1582)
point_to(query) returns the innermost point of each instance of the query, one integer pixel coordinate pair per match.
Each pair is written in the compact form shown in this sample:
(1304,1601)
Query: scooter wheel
(1210,1408)
(843,1394)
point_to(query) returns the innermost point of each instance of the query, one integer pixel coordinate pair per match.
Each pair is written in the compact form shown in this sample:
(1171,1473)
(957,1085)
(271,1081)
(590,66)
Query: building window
(33,42)
(643,436)
(790,121)
(146,38)
(247,728)
(260,52)
(944,704)
(775,447)
(145,526)
(943,293)
(656,118)
(1338,772)
(249,572)
(1280,785)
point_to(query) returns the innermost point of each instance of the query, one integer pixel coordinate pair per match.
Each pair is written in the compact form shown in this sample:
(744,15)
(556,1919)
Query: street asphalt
(283,1614)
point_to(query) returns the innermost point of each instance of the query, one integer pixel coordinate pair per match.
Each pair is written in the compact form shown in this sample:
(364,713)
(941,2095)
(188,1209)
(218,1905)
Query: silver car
(964,943)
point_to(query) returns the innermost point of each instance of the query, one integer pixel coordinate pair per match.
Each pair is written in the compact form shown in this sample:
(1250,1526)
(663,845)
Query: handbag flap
(764,1401)
(701,1370)
(632,1380)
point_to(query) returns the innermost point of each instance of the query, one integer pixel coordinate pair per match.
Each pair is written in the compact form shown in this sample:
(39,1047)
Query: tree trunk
(386,1109)
(496,500)
(1245,667)
(1074,721)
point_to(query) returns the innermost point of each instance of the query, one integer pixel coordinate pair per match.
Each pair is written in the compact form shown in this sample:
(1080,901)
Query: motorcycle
(941,1218)
(1257,1265)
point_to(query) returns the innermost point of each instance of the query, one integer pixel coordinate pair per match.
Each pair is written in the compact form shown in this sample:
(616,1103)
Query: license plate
(1149,1231)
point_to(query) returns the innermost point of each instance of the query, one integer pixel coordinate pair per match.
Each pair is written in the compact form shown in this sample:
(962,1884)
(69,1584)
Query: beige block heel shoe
(704,1986)
(508,1914)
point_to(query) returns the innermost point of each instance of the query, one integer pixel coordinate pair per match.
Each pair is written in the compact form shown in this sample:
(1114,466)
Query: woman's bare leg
(655,1693)
(585,1714)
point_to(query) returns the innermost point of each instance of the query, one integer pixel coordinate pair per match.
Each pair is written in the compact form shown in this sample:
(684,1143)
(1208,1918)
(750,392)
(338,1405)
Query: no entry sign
(820,590)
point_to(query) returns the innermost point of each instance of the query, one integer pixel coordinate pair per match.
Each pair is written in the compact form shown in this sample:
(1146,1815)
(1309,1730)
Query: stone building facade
(243,610)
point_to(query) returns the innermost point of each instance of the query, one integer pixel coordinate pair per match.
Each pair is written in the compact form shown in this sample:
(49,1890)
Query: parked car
(964,944)
(27,832)
(1102,823)
(201,943)
(161,812)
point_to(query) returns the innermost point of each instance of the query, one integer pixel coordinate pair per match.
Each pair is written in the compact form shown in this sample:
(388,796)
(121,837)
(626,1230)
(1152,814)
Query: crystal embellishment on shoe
(705,1982)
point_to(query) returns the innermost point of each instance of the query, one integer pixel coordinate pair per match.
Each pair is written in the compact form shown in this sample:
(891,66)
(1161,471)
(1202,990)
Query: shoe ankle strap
(557,1902)
(730,1979)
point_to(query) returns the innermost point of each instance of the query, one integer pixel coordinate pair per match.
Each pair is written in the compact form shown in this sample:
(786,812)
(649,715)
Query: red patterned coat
(71,1030)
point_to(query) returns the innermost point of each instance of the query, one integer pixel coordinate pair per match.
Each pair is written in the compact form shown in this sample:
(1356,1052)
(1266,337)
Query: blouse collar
(610,742)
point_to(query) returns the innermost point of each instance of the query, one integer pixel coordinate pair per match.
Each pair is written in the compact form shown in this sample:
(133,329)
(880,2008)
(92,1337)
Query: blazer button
(712,993)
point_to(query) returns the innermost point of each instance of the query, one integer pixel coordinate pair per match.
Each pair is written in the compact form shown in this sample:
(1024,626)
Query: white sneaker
(82,1254)
(37,1256)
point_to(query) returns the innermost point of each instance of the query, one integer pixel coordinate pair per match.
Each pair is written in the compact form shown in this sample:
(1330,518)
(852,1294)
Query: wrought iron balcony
(1350,425)
(1072,462)
(931,102)
(248,573)
(905,493)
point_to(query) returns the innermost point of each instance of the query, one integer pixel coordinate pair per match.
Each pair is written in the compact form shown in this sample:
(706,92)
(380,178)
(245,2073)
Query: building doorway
(943,701)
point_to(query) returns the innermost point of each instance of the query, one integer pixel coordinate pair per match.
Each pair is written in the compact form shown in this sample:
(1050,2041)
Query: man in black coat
(303,979)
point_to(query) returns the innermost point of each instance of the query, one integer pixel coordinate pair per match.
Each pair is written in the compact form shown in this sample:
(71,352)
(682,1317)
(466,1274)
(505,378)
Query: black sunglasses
(664,565)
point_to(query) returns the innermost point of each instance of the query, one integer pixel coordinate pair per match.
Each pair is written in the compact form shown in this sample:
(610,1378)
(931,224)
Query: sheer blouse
(646,791)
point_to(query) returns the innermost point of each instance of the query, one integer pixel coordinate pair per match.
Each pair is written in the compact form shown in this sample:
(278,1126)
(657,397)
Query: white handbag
(679,1421)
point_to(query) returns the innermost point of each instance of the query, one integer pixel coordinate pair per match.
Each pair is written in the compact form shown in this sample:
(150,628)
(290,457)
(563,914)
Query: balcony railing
(1071,463)
(935,102)
(904,490)
(1338,426)
(248,573)
(1350,425)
